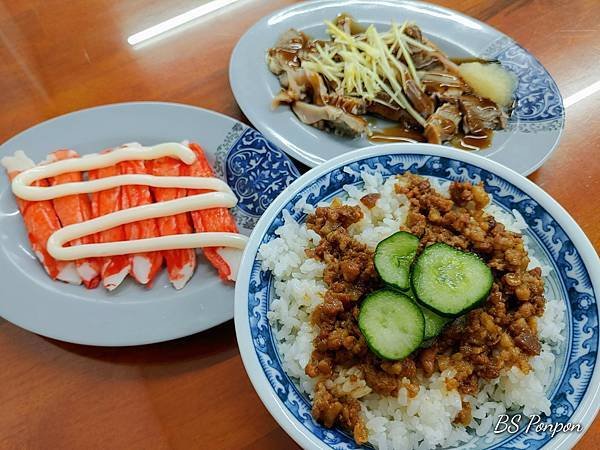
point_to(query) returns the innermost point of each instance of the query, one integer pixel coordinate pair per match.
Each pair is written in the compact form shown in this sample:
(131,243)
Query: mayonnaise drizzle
(129,152)
(59,238)
(38,193)
(221,196)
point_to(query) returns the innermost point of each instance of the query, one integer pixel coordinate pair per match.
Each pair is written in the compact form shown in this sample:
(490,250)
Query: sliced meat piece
(442,124)
(447,63)
(283,79)
(441,58)
(529,343)
(288,51)
(351,105)
(296,80)
(385,112)
(284,60)
(394,114)
(317,87)
(282,97)
(413,31)
(420,101)
(442,83)
(450,95)
(295,85)
(329,117)
(303,84)
(480,114)
(424,60)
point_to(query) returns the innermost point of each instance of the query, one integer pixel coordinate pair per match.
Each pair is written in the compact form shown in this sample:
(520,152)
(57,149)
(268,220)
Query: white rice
(425,421)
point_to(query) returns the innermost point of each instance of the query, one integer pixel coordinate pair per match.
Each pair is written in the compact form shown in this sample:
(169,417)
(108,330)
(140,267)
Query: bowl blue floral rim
(571,399)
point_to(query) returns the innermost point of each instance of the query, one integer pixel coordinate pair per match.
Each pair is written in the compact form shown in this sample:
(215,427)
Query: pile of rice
(424,421)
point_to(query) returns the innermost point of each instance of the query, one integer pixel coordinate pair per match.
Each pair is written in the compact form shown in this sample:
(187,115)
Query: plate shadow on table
(195,352)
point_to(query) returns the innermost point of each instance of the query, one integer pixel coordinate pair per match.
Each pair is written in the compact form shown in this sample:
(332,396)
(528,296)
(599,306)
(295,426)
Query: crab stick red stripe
(41,222)
(73,209)
(126,220)
(115,268)
(225,260)
(144,266)
(180,263)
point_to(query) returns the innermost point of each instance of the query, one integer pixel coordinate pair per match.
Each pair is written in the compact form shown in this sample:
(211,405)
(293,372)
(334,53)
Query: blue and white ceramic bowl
(575,279)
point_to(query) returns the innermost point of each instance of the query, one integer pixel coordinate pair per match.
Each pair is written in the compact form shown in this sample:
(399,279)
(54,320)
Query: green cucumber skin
(427,343)
(435,321)
(468,308)
(441,320)
(452,315)
(369,337)
(400,285)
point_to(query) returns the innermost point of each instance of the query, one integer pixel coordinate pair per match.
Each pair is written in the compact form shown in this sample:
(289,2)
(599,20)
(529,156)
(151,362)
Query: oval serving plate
(554,237)
(255,170)
(534,128)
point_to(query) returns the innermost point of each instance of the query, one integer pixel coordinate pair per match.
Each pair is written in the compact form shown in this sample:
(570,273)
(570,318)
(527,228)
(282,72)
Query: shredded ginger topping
(368,64)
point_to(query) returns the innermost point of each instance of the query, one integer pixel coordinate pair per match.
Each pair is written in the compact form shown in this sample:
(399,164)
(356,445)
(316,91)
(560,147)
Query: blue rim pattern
(539,105)
(582,318)
(255,170)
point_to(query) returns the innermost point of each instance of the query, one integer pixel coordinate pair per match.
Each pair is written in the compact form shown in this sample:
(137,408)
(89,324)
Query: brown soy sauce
(469,142)
(289,52)
(396,134)
(472,142)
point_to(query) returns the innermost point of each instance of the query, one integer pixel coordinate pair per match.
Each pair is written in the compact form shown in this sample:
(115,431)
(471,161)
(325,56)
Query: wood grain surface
(58,56)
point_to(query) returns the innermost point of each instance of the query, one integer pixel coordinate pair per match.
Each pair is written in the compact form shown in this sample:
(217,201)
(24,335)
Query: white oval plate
(534,128)
(133,314)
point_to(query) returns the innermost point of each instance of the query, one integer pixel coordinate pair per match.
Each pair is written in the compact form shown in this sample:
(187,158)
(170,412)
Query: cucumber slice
(393,258)
(392,324)
(449,281)
(434,323)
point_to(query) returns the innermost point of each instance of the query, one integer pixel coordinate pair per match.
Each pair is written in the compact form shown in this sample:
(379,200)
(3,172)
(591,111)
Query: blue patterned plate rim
(579,260)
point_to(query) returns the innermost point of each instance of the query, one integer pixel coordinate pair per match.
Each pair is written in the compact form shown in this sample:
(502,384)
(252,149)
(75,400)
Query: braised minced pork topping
(477,346)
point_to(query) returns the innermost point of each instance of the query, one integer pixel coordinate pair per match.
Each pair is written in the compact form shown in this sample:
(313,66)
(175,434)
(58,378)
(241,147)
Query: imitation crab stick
(75,209)
(40,222)
(144,266)
(114,268)
(225,260)
(180,263)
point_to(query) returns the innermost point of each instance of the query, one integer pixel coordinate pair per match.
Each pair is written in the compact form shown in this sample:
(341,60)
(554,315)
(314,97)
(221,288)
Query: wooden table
(58,56)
